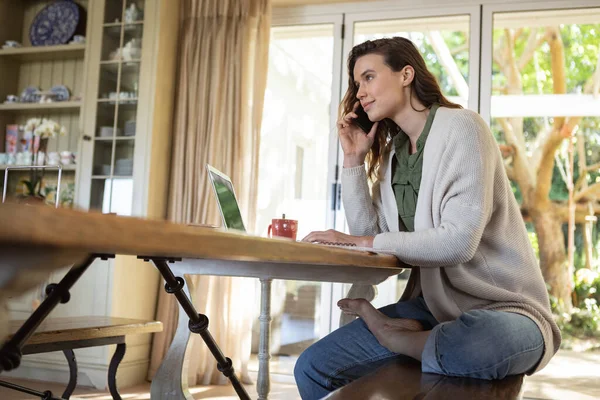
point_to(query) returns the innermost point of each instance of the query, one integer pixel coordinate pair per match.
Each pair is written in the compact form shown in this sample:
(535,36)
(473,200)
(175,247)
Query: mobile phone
(363,121)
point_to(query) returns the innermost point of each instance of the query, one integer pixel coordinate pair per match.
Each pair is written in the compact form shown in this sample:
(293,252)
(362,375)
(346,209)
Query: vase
(42,147)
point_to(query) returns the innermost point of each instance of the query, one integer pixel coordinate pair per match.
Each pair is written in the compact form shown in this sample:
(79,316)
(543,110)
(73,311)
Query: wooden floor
(279,391)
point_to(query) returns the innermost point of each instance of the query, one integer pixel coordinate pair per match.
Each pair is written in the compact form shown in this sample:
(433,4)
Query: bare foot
(387,330)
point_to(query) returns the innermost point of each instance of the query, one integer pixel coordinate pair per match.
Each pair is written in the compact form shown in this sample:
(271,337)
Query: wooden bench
(66,334)
(403,379)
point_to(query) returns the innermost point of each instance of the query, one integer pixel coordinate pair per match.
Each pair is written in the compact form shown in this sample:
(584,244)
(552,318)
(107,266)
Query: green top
(407,169)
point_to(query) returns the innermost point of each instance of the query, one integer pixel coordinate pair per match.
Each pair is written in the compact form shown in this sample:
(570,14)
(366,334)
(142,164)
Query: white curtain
(221,84)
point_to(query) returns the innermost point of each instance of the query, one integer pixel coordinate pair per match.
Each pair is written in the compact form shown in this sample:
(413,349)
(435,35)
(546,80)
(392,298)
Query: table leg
(11,351)
(263,384)
(198,323)
(169,382)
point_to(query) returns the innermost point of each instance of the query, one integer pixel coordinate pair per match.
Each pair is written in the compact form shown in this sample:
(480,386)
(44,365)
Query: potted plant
(41,130)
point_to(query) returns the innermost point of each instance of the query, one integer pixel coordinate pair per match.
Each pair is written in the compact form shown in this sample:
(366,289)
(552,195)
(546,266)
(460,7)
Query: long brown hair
(397,52)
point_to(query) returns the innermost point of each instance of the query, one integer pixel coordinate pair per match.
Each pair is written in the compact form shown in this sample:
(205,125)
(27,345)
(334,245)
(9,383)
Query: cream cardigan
(470,247)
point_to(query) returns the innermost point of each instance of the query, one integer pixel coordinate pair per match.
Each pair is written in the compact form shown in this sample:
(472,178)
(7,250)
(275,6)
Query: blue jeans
(479,344)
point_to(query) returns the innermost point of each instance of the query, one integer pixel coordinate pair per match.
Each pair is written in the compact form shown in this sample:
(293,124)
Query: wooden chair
(67,334)
(402,379)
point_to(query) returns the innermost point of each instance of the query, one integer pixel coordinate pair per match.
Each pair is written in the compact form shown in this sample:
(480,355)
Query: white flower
(45,128)
(32,124)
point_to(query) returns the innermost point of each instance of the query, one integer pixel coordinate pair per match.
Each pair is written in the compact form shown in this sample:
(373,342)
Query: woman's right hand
(355,143)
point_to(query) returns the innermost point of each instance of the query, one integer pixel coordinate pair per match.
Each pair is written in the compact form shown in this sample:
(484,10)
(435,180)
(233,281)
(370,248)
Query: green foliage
(584,319)
(534,243)
(587,319)
(558,190)
(582,322)
(587,286)
(581,53)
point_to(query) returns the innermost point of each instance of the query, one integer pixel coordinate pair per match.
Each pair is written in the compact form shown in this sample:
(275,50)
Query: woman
(476,304)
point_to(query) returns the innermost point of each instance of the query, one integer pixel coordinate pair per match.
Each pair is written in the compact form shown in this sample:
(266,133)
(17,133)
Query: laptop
(228,204)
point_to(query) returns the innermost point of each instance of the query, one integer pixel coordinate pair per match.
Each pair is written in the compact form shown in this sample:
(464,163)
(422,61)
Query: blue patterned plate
(56,23)
(61,92)
(30,95)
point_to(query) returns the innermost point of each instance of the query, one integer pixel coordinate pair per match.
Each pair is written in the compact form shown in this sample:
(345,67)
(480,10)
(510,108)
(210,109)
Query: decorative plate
(30,95)
(55,24)
(60,92)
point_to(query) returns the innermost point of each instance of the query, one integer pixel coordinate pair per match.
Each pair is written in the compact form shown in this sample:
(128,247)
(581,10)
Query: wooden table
(59,237)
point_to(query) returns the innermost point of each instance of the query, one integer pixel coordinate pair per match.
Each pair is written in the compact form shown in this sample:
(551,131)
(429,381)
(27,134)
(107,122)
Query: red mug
(283,228)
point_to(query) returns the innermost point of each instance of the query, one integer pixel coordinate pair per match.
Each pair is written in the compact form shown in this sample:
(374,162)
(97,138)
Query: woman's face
(382,92)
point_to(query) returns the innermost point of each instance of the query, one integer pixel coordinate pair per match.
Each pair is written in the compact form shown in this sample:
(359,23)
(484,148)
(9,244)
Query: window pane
(122,197)
(293,169)
(543,68)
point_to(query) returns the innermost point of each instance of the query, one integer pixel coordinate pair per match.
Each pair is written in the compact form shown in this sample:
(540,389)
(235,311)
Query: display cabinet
(43,70)
(120,129)
(116,104)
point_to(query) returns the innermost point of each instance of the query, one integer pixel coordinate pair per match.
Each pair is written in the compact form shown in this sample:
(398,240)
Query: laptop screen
(230,210)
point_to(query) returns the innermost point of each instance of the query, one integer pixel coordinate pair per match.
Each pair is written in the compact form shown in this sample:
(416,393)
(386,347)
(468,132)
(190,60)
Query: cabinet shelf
(113,65)
(58,105)
(110,138)
(43,53)
(126,24)
(122,102)
(103,177)
(114,29)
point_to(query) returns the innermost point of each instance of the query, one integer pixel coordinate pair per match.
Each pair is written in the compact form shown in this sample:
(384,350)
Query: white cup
(66,158)
(53,158)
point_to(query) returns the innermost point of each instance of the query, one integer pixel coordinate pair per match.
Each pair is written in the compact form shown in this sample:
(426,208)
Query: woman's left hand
(333,236)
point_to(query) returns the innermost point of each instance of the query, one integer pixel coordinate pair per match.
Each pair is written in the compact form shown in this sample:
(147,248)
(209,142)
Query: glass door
(448,39)
(297,168)
(116,107)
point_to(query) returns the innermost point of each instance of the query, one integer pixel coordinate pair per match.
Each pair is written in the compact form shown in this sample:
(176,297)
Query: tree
(531,165)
